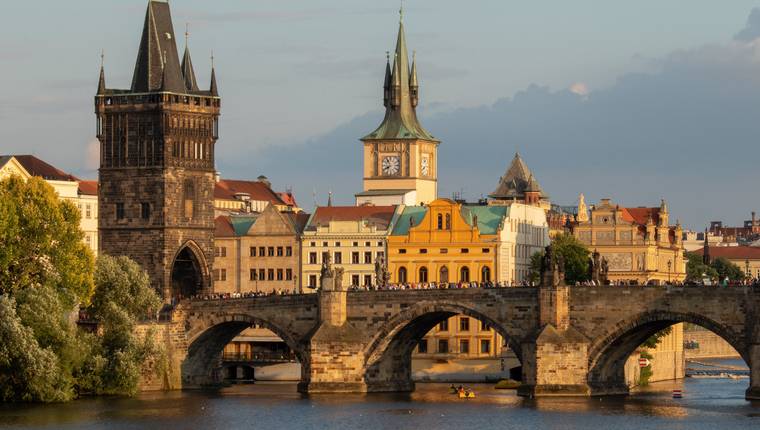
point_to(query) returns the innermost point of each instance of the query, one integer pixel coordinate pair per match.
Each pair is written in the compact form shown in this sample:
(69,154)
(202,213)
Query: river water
(708,404)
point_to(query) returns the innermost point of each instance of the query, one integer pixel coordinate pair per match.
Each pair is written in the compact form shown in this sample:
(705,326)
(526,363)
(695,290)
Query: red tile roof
(381,216)
(39,168)
(733,252)
(226,189)
(88,188)
(223,227)
(641,215)
(288,198)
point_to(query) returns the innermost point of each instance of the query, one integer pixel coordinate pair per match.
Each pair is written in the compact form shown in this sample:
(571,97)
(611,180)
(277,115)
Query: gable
(271,222)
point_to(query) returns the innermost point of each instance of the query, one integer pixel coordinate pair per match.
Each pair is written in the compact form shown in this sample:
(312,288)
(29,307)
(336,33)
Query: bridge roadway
(571,341)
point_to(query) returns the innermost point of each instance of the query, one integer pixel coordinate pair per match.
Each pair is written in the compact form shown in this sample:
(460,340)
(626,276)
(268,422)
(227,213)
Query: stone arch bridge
(571,341)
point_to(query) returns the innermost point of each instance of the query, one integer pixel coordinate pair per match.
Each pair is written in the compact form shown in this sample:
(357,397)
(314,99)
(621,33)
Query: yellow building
(400,156)
(746,257)
(638,244)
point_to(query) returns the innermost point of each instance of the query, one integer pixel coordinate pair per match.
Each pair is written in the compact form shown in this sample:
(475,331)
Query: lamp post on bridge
(670,264)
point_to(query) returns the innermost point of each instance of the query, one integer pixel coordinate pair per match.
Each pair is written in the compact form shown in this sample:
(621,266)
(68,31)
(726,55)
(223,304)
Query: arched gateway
(189,273)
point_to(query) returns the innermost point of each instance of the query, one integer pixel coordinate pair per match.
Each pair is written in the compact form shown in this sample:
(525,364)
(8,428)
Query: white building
(523,232)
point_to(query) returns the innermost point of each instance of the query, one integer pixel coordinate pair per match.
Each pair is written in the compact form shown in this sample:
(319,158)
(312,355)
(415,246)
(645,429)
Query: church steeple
(102,80)
(188,73)
(400,98)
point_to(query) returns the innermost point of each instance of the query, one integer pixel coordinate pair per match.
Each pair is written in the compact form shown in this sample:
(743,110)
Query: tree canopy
(719,269)
(575,254)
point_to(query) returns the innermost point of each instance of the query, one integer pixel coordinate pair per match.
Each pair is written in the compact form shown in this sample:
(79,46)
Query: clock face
(391,166)
(425,165)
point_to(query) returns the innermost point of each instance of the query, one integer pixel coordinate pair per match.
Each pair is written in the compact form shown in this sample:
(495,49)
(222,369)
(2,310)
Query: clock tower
(400,156)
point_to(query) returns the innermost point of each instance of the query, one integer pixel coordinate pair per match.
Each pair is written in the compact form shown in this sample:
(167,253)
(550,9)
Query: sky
(635,101)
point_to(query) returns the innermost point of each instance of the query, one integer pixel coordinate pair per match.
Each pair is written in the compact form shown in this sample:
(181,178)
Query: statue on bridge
(598,268)
(552,267)
(382,276)
(330,279)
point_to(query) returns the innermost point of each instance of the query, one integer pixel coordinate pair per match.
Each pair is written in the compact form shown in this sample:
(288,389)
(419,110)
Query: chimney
(754,219)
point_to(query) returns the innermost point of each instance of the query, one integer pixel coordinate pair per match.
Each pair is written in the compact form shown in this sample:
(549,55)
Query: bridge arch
(208,341)
(607,355)
(388,355)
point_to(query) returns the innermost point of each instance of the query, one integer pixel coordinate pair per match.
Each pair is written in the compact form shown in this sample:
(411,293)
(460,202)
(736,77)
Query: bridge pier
(753,392)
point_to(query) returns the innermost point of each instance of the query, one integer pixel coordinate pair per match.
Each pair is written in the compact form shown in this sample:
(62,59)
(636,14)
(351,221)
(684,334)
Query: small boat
(466,394)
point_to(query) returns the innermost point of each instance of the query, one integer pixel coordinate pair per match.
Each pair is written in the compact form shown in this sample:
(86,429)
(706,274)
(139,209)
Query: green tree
(42,242)
(696,270)
(575,254)
(727,269)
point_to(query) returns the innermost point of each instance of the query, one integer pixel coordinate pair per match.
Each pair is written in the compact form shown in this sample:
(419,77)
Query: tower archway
(189,274)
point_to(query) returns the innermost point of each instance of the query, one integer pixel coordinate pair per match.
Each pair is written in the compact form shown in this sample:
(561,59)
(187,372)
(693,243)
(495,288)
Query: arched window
(443,275)
(448,222)
(485,274)
(423,274)
(440,222)
(464,274)
(402,275)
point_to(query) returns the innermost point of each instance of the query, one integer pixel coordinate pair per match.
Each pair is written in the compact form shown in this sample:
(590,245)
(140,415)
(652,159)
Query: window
(119,210)
(253,274)
(270,251)
(220,274)
(312,258)
(270,275)
(220,251)
(280,274)
(464,346)
(354,258)
(485,274)
(443,346)
(367,244)
(423,274)
(144,210)
(356,244)
(338,258)
(464,324)
(367,280)
(444,325)
(337,244)
(465,251)
(444,251)
(486,250)
(368,258)
(464,274)
(325,256)
(280,251)
(289,251)
(288,274)
(484,326)
(380,244)
(324,244)
(355,280)
(443,275)
(313,281)
(402,275)
(189,199)
(402,251)
(88,211)
(380,254)
(253,251)
(448,222)
(262,275)
(422,346)
(485,346)
(440,222)
(423,251)
(313,244)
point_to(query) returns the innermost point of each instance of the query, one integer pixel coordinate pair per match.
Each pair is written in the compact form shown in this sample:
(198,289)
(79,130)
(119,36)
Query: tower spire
(102,79)
(388,78)
(188,73)
(214,90)
(413,83)
(157,55)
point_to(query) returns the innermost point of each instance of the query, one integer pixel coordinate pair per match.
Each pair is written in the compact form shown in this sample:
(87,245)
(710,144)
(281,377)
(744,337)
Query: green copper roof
(241,224)
(413,213)
(400,120)
(489,217)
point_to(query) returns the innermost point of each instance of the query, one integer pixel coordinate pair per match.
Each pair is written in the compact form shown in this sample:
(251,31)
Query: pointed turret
(188,73)
(102,81)
(516,182)
(158,67)
(214,90)
(388,78)
(400,120)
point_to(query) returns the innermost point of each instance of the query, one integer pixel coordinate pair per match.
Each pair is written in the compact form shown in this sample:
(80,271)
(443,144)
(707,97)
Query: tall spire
(157,55)
(414,85)
(102,80)
(188,73)
(400,117)
(214,90)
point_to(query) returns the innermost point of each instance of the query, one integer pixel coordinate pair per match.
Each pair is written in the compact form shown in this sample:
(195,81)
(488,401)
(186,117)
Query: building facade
(638,244)
(354,238)
(240,197)
(524,231)
(400,156)
(157,141)
(746,257)
(258,253)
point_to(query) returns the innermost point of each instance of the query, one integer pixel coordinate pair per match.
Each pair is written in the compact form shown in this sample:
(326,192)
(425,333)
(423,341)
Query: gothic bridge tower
(400,156)
(156,172)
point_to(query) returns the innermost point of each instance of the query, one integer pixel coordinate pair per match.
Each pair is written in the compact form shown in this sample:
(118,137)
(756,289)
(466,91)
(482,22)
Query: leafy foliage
(727,269)
(42,242)
(575,254)
(719,269)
